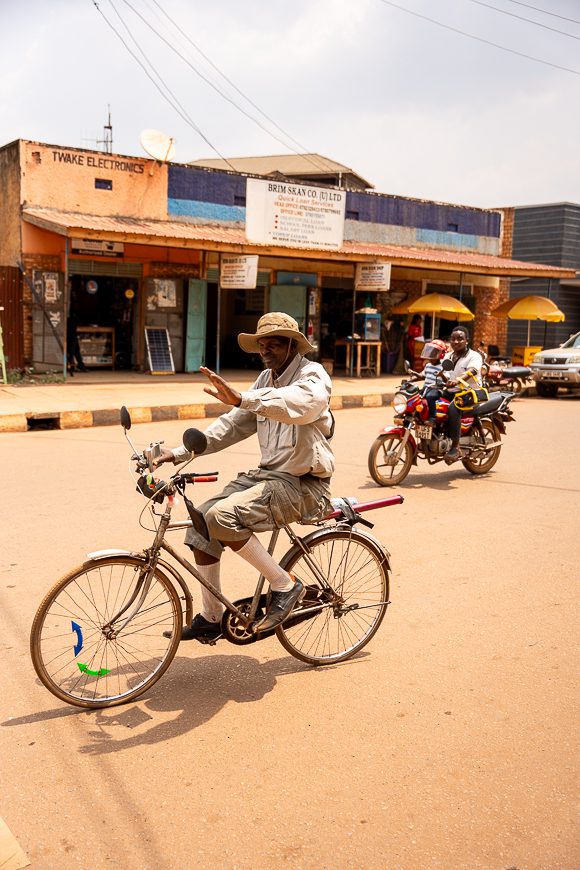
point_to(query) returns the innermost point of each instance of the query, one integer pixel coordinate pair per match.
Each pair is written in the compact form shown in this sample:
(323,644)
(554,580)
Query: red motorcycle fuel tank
(415,404)
(441,408)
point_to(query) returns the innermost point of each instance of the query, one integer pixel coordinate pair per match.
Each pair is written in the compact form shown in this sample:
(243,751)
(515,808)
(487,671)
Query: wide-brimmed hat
(275,324)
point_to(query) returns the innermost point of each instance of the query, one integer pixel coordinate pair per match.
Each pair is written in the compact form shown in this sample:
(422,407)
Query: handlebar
(193,477)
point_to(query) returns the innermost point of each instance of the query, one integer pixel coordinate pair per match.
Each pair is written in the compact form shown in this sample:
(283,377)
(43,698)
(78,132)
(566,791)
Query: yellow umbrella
(440,305)
(529,308)
(403,307)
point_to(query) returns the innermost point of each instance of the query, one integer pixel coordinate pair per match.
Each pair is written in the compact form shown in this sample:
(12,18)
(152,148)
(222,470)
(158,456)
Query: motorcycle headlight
(399,402)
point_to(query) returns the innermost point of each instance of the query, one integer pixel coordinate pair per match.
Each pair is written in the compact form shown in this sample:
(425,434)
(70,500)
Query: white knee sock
(211,608)
(257,555)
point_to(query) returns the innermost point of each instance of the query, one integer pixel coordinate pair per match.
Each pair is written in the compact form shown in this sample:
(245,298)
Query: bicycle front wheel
(81,651)
(346,575)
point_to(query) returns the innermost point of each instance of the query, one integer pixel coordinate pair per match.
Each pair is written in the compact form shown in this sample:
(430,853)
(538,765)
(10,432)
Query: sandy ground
(449,742)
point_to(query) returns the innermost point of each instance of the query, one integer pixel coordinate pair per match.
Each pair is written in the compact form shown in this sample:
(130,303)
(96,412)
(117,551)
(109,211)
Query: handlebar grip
(194,476)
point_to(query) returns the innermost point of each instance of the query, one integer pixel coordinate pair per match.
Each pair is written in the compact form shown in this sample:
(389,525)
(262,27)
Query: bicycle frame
(151,561)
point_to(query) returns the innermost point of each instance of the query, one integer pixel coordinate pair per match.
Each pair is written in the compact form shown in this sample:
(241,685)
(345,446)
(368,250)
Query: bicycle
(97,639)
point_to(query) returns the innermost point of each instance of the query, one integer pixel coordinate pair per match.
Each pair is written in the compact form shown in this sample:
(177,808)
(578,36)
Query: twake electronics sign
(294,215)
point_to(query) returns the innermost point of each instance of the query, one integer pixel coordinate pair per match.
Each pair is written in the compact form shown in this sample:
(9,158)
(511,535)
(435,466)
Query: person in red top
(414,332)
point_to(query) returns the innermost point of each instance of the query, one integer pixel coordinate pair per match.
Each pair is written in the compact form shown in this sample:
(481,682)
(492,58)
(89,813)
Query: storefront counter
(97,345)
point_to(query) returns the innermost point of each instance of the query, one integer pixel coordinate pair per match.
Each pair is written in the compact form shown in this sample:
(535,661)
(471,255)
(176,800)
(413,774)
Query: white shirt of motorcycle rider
(470,360)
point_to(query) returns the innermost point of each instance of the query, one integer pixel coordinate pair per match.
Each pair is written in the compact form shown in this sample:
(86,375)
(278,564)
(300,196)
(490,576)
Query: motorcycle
(512,378)
(415,435)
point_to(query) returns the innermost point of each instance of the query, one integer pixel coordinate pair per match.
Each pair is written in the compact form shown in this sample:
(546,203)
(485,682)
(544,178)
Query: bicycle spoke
(76,651)
(355,570)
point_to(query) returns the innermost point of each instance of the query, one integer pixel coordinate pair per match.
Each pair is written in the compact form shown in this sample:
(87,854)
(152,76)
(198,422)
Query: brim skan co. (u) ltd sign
(294,215)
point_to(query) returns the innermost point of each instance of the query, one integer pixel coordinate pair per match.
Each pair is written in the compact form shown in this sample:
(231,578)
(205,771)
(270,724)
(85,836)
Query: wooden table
(372,358)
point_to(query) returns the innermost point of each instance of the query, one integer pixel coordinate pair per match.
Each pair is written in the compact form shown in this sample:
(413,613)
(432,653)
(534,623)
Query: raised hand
(221,391)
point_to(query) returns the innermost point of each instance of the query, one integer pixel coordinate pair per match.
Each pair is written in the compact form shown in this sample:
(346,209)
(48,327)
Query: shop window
(239,200)
(351,215)
(103,184)
(249,301)
(452,228)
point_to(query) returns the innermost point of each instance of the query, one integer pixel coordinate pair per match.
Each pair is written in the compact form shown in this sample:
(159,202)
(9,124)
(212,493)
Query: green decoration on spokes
(85,669)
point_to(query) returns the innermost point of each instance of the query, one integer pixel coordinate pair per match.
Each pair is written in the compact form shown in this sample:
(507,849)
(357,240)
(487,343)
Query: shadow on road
(195,689)
(441,480)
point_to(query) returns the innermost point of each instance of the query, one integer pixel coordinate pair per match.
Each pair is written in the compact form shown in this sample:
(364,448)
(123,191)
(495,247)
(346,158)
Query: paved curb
(157,413)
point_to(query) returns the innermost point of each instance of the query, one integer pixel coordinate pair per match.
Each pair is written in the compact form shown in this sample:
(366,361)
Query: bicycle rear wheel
(346,574)
(75,649)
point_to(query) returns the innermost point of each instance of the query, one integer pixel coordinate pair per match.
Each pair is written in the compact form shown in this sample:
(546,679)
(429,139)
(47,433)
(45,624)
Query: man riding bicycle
(288,406)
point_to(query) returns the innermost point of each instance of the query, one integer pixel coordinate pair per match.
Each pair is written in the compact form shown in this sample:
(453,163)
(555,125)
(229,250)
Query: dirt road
(448,743)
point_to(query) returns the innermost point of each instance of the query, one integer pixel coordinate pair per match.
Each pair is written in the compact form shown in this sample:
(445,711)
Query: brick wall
(384,301)
(488,329)
(493,330)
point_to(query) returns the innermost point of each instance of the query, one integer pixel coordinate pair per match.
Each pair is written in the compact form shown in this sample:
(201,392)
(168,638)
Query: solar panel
(159,350)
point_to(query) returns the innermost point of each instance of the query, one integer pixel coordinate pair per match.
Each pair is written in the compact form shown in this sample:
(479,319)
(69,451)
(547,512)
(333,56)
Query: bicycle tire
(98,671)
(357,569)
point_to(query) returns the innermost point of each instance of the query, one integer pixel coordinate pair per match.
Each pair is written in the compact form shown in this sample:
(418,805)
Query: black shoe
(280,606)
(452,455)
(200,629)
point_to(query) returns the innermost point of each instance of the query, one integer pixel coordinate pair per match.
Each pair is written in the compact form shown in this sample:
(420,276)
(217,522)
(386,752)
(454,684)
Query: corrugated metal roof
(199,236)
(301,165)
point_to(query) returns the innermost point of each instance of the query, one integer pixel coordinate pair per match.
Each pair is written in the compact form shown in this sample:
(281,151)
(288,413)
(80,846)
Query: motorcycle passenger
(467,364)
(288,408)
(433,351)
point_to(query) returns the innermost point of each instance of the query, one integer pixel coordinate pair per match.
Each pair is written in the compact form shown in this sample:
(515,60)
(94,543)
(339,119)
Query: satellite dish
(157,145)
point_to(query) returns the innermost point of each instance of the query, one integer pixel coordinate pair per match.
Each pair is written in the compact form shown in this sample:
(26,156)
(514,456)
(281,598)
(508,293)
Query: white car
(557,367)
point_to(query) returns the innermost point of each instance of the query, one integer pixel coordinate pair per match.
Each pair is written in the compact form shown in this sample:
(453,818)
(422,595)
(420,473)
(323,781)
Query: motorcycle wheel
(379,468)
(484,463)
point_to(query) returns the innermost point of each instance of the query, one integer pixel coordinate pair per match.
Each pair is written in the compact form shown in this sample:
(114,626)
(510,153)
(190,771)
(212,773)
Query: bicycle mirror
(194,441)
(125,418)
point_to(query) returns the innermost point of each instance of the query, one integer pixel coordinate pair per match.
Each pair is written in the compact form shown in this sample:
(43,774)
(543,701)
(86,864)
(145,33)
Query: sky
(416,108)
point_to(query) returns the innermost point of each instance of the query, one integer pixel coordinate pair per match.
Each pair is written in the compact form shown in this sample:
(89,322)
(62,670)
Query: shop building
(123,244)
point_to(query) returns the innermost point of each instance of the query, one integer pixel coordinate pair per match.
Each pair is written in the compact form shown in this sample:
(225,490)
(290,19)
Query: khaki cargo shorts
(259,501)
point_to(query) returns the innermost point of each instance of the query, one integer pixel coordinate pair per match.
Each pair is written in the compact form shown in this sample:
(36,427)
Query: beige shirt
(291,416)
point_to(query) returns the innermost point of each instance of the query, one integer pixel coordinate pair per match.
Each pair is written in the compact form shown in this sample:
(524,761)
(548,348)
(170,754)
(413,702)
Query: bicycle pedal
(210,641)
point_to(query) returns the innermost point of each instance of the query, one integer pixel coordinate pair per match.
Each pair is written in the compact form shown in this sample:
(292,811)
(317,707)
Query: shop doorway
(108,305)
(335,317)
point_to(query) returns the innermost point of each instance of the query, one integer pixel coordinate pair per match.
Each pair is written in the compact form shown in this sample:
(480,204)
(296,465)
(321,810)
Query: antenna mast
(107,141)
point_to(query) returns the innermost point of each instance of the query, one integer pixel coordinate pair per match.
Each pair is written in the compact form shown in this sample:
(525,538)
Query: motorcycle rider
(467,364)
